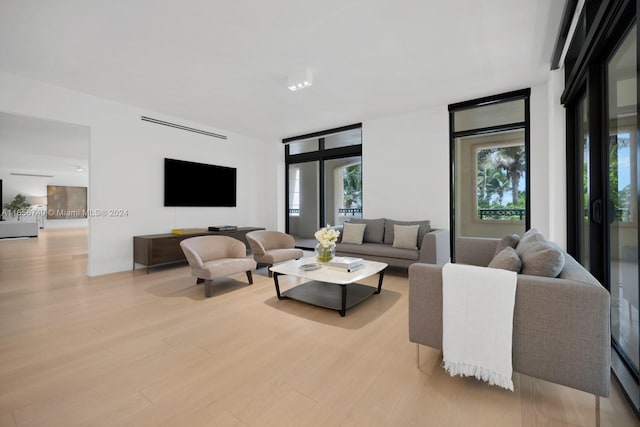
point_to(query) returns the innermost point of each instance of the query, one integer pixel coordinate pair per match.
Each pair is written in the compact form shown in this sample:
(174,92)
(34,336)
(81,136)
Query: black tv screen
(198,184)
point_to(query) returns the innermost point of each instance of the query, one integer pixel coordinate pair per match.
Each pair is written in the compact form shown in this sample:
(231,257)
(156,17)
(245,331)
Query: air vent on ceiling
(177,126)
(31,174)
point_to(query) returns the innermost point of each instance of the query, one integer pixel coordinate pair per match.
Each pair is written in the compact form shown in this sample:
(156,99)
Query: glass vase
(324,253)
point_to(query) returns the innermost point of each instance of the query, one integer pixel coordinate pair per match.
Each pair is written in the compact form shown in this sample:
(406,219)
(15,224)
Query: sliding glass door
(304,196)
(601,97)
(622,203)
(324,181)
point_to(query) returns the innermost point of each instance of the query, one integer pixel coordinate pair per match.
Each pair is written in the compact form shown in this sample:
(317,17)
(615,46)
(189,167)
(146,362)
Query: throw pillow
(425,227)
(405,236)
(374,232)
(506,259)
(540,257)
(531,233)
(353,233)
(510,240)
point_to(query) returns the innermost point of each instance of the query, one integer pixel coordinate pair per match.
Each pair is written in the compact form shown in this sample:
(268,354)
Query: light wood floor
(137,349)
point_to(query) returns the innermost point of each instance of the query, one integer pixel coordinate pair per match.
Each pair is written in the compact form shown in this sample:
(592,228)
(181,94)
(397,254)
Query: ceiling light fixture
(299,81)
(79,168)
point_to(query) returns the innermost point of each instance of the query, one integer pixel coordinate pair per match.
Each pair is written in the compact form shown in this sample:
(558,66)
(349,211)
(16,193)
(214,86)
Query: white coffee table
(328,287)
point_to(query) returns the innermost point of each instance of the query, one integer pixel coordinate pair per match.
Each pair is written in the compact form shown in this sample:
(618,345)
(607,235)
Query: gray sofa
(561,325)
(432,245)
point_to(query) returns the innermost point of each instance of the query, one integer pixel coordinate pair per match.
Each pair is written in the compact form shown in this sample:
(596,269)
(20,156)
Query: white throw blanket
(477,322)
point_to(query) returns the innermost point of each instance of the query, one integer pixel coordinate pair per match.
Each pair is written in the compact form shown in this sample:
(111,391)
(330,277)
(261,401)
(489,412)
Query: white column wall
(126,168)
(405,167)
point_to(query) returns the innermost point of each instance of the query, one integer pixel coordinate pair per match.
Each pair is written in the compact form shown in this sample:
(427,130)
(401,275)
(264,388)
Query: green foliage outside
(619,198)
(352,186)
(500,172)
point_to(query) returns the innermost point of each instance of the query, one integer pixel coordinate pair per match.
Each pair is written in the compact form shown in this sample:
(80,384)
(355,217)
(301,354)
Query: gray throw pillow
(425,227)
(508,241)
(353,233)
(374,233)
(506,259)
(531,233)
(540,257)
(406,236)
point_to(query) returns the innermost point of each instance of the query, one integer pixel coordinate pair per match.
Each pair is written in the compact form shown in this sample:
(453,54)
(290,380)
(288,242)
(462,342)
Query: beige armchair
(212,257)
(271,247)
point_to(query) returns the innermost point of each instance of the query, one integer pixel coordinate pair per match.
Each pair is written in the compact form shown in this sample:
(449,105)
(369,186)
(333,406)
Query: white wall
(406,165)
(557,160)
(126,168)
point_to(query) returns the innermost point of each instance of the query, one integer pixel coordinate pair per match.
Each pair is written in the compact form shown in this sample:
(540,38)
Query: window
(500,182)
(294,191)
(352,189)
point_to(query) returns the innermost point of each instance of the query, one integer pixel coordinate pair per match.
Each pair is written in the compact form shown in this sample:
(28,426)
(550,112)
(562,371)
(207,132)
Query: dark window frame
(522,94)
(321,155)
(602,26)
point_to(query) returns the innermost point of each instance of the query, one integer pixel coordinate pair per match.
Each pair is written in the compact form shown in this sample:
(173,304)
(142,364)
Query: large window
(324,181)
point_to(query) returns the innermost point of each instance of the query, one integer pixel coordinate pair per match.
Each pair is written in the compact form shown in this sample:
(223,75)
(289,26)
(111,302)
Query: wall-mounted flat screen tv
(198,184)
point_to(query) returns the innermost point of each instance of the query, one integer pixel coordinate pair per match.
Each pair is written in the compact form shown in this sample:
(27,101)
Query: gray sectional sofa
(561,325)
(379,243)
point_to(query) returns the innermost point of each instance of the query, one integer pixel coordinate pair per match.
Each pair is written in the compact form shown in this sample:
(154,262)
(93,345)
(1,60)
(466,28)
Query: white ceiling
(225,63)
(31,145)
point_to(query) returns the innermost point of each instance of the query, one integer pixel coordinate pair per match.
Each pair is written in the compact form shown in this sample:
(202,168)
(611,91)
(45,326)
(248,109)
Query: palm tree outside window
(500,182)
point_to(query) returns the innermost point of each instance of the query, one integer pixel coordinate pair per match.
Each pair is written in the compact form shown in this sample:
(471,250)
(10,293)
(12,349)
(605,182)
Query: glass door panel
(623,198)
(342,189)
(584,199)
(303,201)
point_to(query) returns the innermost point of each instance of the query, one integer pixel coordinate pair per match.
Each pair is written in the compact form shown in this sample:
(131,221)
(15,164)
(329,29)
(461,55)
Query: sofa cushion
(405,236)
(375,249)
(510,240)
(353,233)
(374,232)
(506,259)
(425,227)
(540,257)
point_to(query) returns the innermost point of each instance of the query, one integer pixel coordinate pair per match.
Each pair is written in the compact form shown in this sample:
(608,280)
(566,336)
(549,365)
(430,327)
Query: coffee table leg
(380,277)
(275,280)
(343,311)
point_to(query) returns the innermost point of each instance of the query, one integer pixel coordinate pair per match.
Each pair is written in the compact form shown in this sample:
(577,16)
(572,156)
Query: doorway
(489,142)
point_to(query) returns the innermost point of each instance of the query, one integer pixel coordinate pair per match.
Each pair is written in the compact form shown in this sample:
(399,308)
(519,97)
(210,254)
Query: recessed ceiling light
(300,80)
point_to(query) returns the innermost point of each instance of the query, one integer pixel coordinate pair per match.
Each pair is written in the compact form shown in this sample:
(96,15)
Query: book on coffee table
(349,264)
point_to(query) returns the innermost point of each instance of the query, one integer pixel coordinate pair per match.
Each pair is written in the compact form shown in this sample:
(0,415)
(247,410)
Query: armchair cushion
(270,247)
